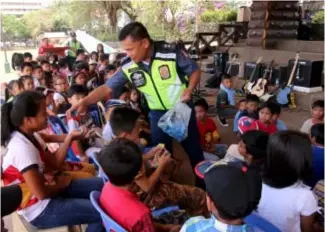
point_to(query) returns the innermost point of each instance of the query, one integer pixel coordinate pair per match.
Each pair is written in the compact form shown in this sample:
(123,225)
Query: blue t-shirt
(318,165)
(185,66)
(236,121)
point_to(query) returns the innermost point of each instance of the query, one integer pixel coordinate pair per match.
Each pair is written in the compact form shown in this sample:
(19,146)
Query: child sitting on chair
(209,135)
(228,208)
(225,100)
(121,160)
(83,149)
(109,107)
(317,116)
(153,189)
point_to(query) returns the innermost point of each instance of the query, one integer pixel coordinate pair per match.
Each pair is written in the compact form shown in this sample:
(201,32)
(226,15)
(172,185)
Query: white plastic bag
(175,121)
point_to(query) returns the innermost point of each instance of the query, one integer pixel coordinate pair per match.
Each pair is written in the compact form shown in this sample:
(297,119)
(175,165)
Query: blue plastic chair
(109,223)
(59,129)
(259,223)
(101,173)
(158,212)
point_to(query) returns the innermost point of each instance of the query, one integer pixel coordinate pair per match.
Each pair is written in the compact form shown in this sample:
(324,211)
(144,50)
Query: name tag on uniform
(138,79)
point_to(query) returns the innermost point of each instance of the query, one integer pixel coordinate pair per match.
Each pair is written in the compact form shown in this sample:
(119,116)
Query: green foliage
(220,15)
(319,17)
(14,27)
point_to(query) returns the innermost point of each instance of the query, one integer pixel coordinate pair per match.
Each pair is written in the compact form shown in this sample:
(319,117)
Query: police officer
(159,70)
(74,45)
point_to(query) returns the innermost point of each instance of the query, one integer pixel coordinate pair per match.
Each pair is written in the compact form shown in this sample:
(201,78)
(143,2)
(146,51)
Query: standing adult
(159,70)
(74,45)
(45,44)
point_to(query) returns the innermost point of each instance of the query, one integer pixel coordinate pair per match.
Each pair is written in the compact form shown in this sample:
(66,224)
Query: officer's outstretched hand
(79,108)
(186,95)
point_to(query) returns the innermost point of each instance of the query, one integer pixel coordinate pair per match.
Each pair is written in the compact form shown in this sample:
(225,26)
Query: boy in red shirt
(209,135)
(265,114)
(121,160)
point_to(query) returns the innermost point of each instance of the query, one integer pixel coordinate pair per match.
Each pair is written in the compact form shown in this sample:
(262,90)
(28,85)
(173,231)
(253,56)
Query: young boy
(280,125)
(252,102)
(265,120)
(122,94)
(26,69)
(38,76)
(64,68)
(152,189)
(209,135)
(225,100)
(241,108)
(228,208)
(317,138)
(75,94)
(121,160)
(317,116)
(28,57)
(109,107)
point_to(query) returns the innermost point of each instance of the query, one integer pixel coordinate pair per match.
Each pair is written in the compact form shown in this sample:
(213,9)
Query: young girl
(13,88)
(28,82)
(286,202)
(48,200)
(135,100)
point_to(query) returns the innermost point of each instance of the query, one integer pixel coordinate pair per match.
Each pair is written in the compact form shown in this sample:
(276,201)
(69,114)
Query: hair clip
(244,169)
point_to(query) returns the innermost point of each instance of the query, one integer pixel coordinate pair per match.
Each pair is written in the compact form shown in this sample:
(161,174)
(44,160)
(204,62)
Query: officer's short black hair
(136,30)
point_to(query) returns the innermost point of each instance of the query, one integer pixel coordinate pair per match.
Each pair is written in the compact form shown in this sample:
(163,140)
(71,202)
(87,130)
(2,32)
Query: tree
(39,21)
(14,27)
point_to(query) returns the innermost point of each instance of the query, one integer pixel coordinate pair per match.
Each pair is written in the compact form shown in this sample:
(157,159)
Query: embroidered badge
(138,79)
(164,72)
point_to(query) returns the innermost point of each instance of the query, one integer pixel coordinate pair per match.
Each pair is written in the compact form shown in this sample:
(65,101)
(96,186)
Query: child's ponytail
(6,125)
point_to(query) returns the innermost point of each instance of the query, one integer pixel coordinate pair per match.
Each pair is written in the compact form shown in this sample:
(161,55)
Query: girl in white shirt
(48,200)
(286,202)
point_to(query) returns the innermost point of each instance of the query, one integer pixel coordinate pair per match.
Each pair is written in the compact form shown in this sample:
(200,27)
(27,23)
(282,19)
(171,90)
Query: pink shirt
(126,209)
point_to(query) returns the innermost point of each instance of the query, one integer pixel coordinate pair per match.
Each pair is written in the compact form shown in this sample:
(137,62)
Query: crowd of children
(50,156)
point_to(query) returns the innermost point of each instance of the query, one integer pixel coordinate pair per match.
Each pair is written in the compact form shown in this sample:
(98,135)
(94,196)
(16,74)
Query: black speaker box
(220,61)
(308,73)
(249,67)
(279,75)
(234,69)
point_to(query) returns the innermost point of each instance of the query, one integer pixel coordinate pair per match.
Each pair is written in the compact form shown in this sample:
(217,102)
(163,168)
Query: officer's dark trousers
(191,144)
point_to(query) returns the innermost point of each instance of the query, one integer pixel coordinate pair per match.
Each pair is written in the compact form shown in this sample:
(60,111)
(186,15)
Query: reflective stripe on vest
(73,48)
(163,87)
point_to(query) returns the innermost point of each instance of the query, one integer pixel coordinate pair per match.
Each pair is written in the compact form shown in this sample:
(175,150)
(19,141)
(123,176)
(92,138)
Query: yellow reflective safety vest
(74,46)
(161,85)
